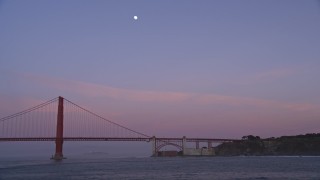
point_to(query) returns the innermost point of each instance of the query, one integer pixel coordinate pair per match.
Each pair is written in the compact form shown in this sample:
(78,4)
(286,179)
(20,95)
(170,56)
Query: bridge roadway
(146,139)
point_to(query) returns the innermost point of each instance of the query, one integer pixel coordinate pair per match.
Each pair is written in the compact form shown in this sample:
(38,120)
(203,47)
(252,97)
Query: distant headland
(299,145)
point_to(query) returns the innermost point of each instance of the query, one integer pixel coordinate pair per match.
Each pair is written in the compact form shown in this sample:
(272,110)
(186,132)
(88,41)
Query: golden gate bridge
(61,120)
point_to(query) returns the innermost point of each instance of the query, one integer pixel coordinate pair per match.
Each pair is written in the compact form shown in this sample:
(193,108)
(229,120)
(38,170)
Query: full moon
(135,17)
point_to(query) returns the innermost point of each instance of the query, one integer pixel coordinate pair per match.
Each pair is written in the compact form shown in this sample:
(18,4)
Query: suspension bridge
(61,120)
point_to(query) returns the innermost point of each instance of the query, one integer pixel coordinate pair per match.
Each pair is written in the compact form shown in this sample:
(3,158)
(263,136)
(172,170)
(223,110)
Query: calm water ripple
(164,168)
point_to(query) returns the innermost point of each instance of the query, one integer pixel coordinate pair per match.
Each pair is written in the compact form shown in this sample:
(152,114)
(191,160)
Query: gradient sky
(219,69)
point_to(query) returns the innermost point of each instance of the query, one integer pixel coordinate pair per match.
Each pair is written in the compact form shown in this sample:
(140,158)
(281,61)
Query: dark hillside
(308,144)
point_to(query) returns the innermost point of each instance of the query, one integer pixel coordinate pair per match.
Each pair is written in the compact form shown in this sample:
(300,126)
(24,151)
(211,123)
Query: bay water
(100,167)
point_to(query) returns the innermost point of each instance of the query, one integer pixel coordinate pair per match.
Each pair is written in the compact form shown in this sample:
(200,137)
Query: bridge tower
(59,134)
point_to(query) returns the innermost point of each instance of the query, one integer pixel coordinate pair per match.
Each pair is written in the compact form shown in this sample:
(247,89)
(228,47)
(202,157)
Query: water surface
(162,168)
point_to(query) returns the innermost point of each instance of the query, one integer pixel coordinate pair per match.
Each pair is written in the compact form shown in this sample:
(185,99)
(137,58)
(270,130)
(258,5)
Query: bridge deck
(115,139)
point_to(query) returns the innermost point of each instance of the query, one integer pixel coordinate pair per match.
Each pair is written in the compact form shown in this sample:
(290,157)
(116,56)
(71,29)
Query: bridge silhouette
(61,120)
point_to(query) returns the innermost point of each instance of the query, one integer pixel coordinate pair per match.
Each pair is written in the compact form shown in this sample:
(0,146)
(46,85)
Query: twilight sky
(219,69)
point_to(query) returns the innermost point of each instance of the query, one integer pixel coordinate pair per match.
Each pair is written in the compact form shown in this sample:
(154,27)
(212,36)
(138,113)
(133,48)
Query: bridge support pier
(59,136)
(184,145)
(154,146)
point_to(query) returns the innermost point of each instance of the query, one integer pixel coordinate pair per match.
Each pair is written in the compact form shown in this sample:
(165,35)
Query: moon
(135,17)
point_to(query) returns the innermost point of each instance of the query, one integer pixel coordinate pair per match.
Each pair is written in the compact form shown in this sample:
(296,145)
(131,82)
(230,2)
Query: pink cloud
(266,76)
(10,105)
(98,90)
(275,74)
